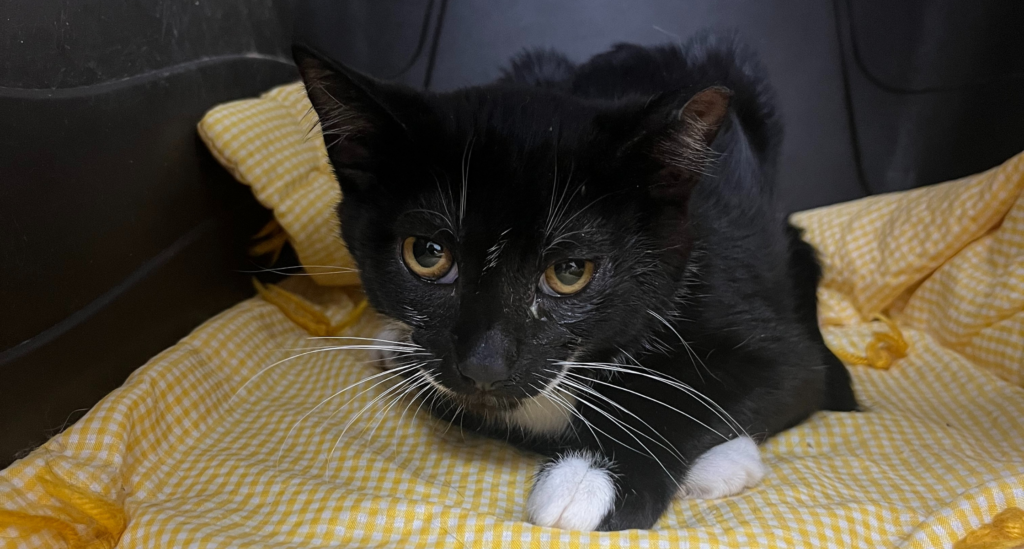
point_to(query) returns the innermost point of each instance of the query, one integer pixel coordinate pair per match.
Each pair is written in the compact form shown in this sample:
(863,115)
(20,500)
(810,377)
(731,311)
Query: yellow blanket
(218,442)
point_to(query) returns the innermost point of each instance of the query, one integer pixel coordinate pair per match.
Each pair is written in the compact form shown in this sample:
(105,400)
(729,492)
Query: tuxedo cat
(588,261)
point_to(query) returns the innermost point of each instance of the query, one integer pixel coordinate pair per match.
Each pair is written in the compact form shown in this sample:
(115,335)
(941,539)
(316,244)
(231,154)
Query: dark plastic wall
(796,40)
(119,233)
(936,87)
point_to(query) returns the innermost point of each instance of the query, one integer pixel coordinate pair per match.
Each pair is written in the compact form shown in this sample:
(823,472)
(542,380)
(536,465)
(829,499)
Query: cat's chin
(489,405)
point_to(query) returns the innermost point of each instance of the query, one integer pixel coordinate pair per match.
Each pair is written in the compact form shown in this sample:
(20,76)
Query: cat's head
(509,230)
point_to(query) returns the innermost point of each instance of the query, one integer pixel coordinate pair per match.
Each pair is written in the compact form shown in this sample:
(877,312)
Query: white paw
(573,493)
(725,470)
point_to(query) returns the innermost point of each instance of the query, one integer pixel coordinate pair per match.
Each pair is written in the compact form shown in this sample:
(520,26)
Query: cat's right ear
(684,148)
(358,118)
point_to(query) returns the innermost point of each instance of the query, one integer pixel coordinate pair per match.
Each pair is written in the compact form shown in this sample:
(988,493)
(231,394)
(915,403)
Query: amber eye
(428,259)
(567,277)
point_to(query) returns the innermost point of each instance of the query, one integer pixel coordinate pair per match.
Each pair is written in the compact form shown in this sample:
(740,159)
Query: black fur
(679,230)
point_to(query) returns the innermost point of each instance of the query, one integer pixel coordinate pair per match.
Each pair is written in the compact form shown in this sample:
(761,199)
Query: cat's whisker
(458,407)
(565,237)
(423,386)
(389,392)
(392,359)
(568,406)
(402,370)
(432,400)
(413,382)
(399,354)
(580,399)
(566,223)
(393,372)
(694,359)
(308,352)
(672,382)
(590,390)
(706,401)
(401,351)
(733,424)
(659,345)
(629,430)
(449,403)
(551,201)
(442,216)
(546,392)
(467,157)
(593,427)
(652,399)
(291,270)
(528,411)
(351,421)
(462,432)
(555,215)
(388,341)
(424,399)
(444,203)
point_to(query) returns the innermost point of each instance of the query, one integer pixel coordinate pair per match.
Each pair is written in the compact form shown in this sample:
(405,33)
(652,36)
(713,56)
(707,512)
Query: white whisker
(733,424)
(590,390)
(547,393)
(394,372)
(310,352)
(629,430)
(388,341)
(467,157)
(672,382)
(412,384)
(674,409)
(334,448)
(694,359)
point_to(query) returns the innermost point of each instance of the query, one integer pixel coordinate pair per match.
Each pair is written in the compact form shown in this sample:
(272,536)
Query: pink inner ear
(707,109)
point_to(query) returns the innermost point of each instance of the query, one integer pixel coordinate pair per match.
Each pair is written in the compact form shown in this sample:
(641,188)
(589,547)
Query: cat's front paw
(725,470)
(573,492)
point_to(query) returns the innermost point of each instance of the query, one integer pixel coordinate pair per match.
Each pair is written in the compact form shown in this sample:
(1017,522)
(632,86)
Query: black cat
(588,261)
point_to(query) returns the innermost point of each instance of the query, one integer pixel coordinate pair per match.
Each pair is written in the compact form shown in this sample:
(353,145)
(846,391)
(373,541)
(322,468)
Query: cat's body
(592,260)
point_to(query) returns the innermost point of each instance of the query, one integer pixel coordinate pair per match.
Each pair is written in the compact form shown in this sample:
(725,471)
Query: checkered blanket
(219,441)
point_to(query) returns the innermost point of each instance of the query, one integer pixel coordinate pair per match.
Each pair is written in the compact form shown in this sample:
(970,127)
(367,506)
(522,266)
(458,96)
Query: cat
(588,262)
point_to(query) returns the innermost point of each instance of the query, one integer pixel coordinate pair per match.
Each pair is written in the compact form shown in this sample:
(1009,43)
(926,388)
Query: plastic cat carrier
(124,230)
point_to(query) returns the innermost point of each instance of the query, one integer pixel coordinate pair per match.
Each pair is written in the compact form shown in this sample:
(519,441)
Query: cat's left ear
(683,146)
(363,120)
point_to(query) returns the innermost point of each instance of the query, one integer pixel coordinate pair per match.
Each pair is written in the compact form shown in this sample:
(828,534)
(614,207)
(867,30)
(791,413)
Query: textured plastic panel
(796,40)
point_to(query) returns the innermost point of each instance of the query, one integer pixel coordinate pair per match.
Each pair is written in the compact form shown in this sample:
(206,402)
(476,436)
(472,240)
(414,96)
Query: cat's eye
(567,277)
(429,260)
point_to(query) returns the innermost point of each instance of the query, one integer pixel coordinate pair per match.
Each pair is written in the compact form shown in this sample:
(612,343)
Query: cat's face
(510,230)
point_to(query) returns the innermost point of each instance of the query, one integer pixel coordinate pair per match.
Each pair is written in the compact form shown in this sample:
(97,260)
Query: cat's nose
(484,376)
(486,362)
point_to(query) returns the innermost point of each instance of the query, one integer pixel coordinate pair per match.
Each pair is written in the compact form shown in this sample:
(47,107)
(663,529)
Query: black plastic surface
(119,233)
(935,87)
(63,44)
(796,40)
(922,46)
(102,179)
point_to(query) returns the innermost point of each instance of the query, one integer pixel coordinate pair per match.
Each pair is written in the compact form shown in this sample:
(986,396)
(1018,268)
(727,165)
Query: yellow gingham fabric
(272,145)
(201,449)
